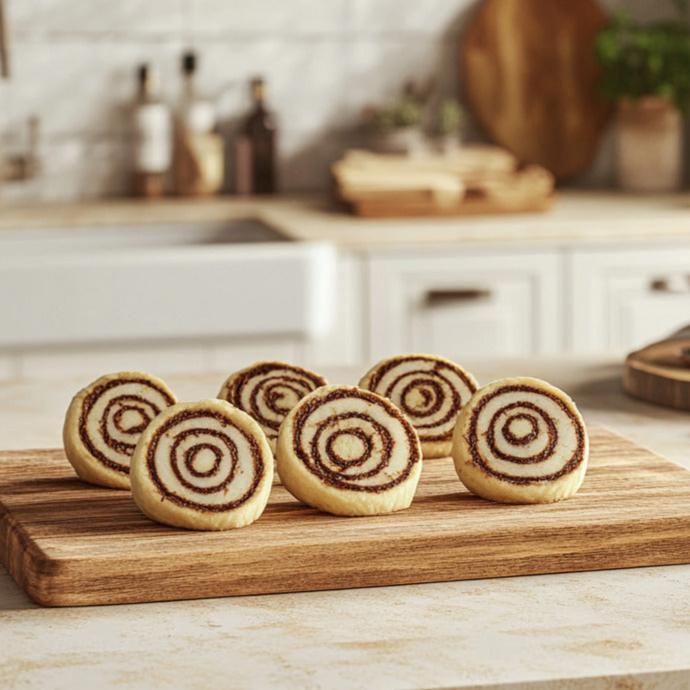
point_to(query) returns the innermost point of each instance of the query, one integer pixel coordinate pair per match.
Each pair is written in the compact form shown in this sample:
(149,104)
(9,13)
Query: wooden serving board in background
(478,206)
(660,374)
(530,77)
(70,544)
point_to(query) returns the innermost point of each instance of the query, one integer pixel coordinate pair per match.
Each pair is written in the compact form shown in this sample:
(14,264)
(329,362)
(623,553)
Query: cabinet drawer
(478,304)
(621,300)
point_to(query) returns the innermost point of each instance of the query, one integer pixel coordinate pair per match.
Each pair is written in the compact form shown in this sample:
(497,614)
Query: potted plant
(646,70)
(449,121)
(397,125)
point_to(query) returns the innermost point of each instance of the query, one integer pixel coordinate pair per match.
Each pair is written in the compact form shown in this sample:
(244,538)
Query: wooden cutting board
(530,77)
(660,373)
(70,544)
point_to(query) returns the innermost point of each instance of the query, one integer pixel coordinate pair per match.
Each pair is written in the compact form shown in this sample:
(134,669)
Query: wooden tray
(69,544)
(659,374)
(469,206)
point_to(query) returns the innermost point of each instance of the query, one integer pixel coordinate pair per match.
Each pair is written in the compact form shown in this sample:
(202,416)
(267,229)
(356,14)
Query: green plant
(405,110)
(399,113)
(644,60)
(450,117)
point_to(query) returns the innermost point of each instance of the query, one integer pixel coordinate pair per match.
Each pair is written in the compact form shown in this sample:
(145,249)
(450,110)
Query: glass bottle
(260,133)
(152,136)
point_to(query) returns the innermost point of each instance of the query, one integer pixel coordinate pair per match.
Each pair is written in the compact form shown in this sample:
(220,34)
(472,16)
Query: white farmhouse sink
(89,285)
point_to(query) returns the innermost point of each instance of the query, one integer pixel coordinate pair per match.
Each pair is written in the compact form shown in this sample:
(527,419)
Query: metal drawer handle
(436,298)
(676,283)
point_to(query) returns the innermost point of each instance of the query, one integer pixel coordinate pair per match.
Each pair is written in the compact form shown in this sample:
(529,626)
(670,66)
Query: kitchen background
(74,62)
(93,280)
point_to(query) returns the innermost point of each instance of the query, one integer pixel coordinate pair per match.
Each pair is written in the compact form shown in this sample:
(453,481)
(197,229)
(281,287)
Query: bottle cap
(147,79)
(189,62)
(143,72)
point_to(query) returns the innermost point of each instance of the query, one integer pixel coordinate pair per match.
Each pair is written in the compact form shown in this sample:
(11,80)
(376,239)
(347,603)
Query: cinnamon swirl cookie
(203,465)
(267,391)
(521,440)
(104,421)
(348,451)
(430,390)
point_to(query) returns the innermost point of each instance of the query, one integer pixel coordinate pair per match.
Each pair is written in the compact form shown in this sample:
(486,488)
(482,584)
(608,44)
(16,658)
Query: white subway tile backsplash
(82,87)
(306,80)
(431,17)
(75,168)
(379,67)
(294,17)
(132,19)
(307,155)
(74,63)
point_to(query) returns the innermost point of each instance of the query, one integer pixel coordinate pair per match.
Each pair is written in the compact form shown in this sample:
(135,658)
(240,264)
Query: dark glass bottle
(260,131)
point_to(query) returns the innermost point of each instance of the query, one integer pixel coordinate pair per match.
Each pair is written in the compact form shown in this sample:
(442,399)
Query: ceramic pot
(649,145)
(449,145)
(406,140)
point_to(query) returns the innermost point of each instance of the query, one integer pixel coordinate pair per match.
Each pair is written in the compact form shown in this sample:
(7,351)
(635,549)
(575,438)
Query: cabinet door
(624,299)
(342,345)
(465,304)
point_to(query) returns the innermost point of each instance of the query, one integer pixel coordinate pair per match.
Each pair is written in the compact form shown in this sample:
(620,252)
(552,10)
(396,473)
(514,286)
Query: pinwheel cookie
(348,451)
(430,390)
(104,422)
(521,440)
(203,465)
(267,391)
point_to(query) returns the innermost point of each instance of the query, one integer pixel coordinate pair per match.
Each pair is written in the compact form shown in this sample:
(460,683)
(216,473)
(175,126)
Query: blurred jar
(198,167)
(649,145)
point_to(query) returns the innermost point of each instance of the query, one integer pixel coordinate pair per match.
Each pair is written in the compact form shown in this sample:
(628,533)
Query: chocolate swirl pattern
(202,465)
(348,451)
(521,441)
(105,420)
(430,390)
(267,391)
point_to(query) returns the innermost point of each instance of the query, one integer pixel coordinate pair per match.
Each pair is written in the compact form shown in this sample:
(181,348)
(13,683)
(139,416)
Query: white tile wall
(74,60)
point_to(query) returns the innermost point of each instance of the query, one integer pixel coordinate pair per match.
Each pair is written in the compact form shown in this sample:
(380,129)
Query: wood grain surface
(70,544)
(530,77)
(469,206)
(660,373)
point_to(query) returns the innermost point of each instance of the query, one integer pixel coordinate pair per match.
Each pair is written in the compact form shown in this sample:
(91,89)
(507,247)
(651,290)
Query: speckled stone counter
(625,629)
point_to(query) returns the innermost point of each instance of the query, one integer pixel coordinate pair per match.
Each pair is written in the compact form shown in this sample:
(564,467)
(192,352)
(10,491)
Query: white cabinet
(343,344)
(465,303)
(621,299)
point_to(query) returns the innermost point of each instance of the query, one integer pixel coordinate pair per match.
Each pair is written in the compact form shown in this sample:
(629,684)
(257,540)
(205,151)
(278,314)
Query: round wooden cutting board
(530,77)
(660,373)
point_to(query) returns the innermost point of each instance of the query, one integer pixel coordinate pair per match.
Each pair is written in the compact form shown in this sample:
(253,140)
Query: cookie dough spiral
(430,390)
(202,465)
(105,420)
(348,451)
(267,391)
(521,441)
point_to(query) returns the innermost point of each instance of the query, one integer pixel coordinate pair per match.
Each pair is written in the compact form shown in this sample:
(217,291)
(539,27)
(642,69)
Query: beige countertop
(625,629)
(580,217)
